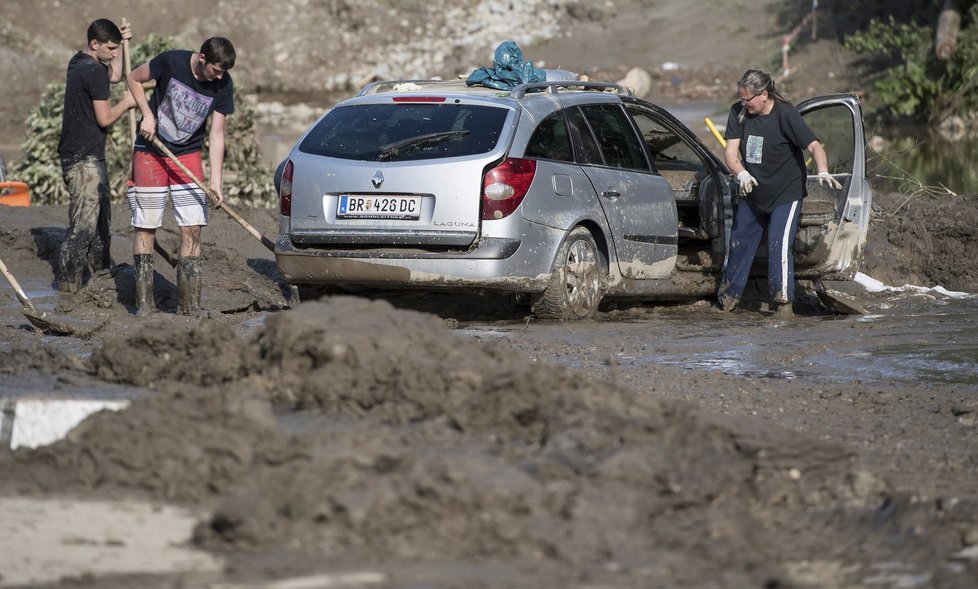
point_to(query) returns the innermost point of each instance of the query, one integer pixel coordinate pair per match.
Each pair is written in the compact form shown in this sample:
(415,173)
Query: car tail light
(285,191)
(504,187)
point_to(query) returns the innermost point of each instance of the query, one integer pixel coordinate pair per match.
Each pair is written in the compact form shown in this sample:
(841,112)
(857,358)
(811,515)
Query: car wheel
(577,281)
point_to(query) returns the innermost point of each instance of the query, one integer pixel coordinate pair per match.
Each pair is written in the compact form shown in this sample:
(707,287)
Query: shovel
(41,320)
(837,301)
(127,67)
(213,196)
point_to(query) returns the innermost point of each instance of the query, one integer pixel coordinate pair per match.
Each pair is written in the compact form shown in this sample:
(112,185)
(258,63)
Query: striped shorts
(154,178)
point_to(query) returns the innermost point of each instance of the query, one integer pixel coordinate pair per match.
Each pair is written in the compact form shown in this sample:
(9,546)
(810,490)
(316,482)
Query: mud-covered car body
(567,191)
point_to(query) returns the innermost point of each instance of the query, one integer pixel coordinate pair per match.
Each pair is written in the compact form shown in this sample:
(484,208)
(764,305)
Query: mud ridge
(332,431)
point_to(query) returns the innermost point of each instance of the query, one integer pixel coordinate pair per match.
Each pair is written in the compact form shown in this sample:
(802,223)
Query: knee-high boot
(188,285)
(143,273)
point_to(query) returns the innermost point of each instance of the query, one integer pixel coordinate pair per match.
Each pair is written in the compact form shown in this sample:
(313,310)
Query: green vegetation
(246,180)
(916,85)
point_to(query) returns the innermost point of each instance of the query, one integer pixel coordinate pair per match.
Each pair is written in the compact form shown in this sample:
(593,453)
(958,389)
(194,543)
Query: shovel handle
(713,129)
(21,295)
(126,68)
(170,259)
(213,196)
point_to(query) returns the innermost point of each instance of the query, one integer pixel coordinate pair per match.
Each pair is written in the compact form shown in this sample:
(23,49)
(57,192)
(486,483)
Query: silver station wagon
(566,191)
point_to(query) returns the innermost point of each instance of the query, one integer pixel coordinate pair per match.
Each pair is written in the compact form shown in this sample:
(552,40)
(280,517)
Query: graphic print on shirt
(755,145)
(182,112)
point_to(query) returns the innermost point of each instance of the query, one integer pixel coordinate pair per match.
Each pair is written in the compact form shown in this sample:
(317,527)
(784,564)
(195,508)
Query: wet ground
(907,338)
(660,445)
(912,339)
(875,416)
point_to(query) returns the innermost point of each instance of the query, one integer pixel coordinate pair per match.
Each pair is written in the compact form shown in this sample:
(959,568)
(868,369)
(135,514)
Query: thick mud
(658,446)
(347,434)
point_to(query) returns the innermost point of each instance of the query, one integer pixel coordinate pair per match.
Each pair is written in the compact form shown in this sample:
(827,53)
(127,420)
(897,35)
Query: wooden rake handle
(21,295)
(126,68)
(213,196)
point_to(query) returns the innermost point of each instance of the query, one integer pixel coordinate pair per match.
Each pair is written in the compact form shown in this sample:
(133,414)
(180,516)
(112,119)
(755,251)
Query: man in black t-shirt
(87,116)
(190,87)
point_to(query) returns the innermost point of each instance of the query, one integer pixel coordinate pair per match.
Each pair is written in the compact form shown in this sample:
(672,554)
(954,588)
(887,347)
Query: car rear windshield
(406,131)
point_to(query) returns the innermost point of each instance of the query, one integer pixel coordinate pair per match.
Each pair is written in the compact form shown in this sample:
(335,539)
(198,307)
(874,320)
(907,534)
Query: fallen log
(948,27)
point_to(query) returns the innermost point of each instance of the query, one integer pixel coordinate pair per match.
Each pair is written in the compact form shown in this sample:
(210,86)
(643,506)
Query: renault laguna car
(565,191)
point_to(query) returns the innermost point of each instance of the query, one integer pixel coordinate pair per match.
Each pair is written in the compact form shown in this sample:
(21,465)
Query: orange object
(15,194)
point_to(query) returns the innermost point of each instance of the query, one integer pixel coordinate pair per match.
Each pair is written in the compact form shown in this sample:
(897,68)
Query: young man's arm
(216,154)
(106,115)
(135,81)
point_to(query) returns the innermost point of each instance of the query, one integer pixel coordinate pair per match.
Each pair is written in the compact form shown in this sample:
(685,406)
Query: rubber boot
(143,273)
(70,282)
(69,271)
(188,285)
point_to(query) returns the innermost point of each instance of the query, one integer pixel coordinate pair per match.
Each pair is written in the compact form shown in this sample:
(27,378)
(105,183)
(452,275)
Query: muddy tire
(577,282)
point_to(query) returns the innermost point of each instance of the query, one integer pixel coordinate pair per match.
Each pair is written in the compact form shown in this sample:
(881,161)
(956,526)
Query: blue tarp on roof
(509,70)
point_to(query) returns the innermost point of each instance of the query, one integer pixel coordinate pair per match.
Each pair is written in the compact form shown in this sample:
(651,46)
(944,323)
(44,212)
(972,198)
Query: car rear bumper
(492,262)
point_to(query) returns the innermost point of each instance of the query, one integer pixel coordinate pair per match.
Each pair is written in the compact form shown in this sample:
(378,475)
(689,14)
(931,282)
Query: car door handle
(610,194)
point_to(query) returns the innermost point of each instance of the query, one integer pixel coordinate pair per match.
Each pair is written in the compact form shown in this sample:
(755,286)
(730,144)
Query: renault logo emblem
(377,180)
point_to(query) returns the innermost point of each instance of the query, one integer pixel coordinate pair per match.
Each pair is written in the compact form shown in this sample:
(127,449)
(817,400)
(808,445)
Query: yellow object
(15,194)
(713,129)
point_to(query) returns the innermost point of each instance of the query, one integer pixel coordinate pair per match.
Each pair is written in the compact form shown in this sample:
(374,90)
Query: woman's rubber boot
(143,273)
(188,285)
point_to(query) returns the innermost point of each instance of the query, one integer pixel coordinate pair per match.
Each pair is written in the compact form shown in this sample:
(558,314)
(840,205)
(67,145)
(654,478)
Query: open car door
(833,224)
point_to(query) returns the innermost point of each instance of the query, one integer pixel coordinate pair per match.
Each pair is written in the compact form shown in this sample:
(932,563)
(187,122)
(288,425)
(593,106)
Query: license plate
(352,206)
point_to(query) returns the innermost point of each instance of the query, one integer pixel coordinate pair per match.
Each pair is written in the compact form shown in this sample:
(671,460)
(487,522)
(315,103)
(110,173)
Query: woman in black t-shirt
(765,141)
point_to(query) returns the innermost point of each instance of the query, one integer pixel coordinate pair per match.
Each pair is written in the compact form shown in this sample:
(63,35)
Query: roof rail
(517,92)
(552,87)
(391,85)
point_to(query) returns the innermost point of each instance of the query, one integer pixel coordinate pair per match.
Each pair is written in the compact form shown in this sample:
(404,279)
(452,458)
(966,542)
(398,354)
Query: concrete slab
(43,540)
(350,580)
(39,422)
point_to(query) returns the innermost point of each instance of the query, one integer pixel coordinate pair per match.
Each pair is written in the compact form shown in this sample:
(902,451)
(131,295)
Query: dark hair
(756,82)
(218,51)
(104,30)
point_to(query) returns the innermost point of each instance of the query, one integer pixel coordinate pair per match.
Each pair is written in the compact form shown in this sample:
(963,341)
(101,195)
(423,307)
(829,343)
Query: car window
(551,140)
(666,148)
(584,142)
(674,158)
(833,125)
(616,136)
(406,131)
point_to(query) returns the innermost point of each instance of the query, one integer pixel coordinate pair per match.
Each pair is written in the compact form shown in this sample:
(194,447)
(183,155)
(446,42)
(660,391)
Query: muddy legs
(143,273)
(69,271)
(188,285)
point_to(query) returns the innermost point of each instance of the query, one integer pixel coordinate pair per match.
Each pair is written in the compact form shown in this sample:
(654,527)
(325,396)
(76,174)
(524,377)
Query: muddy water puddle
(909,340)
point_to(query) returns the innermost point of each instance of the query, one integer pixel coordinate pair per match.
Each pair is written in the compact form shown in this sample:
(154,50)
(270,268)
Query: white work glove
(826,178)
(747,182)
